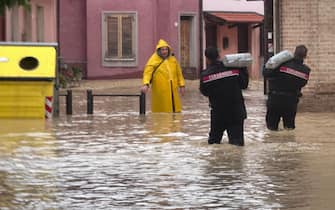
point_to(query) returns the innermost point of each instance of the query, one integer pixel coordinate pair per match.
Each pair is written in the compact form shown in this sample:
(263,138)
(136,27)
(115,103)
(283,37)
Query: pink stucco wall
(145,34)
(72,31)
(156,19)
(168,12)
(50,21)
(232,37)
(50,16)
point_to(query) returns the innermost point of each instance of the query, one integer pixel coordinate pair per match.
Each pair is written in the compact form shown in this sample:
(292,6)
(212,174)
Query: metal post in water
(142,103)
(56,86)
(69,102)
(89,102)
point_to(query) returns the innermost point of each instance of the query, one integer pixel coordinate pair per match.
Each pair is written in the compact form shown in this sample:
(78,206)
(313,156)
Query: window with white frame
(119,43)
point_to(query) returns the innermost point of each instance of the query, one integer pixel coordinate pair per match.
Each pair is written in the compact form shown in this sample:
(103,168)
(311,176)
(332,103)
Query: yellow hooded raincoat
(165,81)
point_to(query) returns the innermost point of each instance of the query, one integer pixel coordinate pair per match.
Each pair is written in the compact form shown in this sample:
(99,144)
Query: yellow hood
(162,43)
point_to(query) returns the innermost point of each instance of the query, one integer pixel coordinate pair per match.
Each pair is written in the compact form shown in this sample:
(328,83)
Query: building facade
(36,24)
(114,39)
(310,22)
(235,26)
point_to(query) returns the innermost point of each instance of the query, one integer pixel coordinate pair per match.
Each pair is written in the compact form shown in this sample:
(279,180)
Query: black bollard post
(89,102)
(69,102)
(142,103)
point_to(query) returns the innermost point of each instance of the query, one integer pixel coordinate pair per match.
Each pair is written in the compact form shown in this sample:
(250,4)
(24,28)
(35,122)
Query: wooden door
(185,36)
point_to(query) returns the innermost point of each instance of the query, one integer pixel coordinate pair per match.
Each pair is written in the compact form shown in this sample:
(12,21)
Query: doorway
(188,46)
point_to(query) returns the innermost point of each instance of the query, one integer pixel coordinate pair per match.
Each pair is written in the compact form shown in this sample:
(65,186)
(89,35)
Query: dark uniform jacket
(222,85)
(288,78)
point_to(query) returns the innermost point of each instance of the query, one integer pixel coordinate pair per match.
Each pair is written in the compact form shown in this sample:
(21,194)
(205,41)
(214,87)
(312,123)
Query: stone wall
(311,22)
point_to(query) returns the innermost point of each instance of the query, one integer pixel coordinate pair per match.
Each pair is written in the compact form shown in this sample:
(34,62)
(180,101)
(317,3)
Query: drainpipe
(56,85)
(201,47)
(276,25)
(268,34)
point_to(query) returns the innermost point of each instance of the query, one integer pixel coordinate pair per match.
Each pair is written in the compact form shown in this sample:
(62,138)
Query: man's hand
(145,88)
(182,90)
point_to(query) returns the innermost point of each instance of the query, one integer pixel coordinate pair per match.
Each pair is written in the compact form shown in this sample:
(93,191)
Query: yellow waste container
(27,76)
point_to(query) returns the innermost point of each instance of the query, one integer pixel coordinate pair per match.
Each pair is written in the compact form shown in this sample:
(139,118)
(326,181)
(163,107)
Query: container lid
(28,60)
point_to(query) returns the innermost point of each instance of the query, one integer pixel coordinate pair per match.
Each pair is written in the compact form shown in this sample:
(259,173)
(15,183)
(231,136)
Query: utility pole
(268,34)
(201,47)
(56,85)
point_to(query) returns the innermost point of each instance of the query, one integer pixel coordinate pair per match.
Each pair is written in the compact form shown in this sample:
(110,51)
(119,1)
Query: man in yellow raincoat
(164,74)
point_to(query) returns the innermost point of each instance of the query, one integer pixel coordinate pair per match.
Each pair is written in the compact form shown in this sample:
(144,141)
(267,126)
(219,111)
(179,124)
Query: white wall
(233,6)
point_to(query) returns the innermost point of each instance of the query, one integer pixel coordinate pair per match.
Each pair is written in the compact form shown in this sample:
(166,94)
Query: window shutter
(112,30)
(127,34)
(185,34)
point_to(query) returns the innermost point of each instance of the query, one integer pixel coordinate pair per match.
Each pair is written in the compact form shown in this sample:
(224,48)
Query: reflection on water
(25,149)
(116,159)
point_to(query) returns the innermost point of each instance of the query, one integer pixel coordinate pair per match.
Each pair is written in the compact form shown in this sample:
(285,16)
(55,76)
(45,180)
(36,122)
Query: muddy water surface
(116,159)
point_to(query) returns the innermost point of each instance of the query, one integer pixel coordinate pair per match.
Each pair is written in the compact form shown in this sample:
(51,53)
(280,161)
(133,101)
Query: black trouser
(281,106)
(235,130)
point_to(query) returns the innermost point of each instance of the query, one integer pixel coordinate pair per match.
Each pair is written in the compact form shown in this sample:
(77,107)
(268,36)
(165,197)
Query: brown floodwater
(117,159)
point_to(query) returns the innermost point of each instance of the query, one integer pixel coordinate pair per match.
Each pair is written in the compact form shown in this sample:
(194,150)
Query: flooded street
(117,159)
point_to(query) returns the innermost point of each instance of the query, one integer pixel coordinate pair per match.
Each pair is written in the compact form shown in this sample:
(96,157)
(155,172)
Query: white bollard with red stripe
(48,107)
